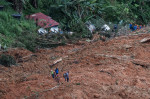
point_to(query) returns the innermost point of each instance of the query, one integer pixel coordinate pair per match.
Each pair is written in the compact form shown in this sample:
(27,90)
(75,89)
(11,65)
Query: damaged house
(45,22)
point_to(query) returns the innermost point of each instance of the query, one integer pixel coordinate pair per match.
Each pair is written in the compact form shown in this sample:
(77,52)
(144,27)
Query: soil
(118,68)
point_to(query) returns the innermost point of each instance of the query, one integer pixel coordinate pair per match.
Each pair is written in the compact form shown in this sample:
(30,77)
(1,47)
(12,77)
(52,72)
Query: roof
(43,20)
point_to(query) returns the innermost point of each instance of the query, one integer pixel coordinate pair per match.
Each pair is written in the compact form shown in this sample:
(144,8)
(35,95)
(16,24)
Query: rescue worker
(140,26)
(52,73)
(135,28)
(56,71)
(57,79)
(66,76)
(131,26)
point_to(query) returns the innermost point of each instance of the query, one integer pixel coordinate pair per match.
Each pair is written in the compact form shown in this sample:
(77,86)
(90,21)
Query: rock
(96,95)
(127,46)
(145,40)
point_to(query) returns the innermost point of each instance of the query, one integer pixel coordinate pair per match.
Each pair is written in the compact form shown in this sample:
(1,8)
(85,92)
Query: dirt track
(115,69)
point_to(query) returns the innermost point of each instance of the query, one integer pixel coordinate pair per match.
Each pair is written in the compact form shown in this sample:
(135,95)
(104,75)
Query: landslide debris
(114,69)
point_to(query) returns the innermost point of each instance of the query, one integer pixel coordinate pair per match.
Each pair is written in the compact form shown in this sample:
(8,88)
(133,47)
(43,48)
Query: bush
(7,60)
(18,44)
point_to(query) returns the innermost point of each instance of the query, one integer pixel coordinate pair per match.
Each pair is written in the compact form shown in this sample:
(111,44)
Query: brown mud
(114,69)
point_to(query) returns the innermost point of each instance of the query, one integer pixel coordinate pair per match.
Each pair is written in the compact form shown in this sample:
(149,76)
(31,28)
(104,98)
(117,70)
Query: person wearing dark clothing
(56,71)
(66,76)
(54,74)
(115,27)
(57,79)
(140,26)
(131,27)
(134,28)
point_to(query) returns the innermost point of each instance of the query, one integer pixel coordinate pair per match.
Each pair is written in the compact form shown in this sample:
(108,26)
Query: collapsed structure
(45,22)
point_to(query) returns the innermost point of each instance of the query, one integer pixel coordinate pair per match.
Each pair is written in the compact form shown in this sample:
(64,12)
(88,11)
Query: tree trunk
(35,3)
(18,5)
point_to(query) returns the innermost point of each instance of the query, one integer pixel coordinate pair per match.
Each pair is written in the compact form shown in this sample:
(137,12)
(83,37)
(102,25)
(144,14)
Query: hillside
(115,69)
(73,16)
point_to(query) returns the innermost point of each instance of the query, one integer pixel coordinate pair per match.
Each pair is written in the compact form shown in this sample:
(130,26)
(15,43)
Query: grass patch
(17,33)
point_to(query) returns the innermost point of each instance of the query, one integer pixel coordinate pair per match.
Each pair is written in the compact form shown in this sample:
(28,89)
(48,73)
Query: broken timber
(128,58)
(124,57)
(141,63)
(145,40)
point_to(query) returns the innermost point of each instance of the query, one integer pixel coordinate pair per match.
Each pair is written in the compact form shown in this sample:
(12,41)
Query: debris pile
(114,69)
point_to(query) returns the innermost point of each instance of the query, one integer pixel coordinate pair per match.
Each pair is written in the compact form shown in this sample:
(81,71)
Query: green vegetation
(7,60)
(16,33)
(71,14)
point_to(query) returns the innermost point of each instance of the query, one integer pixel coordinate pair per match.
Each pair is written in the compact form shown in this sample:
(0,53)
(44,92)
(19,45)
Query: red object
(43,20)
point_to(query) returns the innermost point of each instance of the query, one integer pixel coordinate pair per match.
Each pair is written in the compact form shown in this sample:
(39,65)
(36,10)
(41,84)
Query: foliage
(4,3)
(70,12)
(72,16)
(7,60)
(14,32)
(73,13)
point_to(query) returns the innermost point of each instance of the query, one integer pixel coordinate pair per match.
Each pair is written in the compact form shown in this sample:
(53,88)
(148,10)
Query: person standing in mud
(57,79)
(56,71)
(52,73)
(66,76)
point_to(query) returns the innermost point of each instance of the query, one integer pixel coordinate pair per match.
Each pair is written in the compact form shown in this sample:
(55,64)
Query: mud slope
(115,69)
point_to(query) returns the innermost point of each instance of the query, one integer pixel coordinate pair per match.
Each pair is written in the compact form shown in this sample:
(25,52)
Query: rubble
(90,26)
(42,31)
(141,63)
(102,70)
(105,27)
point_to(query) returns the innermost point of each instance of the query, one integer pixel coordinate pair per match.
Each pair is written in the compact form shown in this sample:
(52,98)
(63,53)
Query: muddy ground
(115,69)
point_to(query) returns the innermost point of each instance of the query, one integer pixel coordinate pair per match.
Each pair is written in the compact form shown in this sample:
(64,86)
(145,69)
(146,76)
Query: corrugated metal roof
(42,20)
